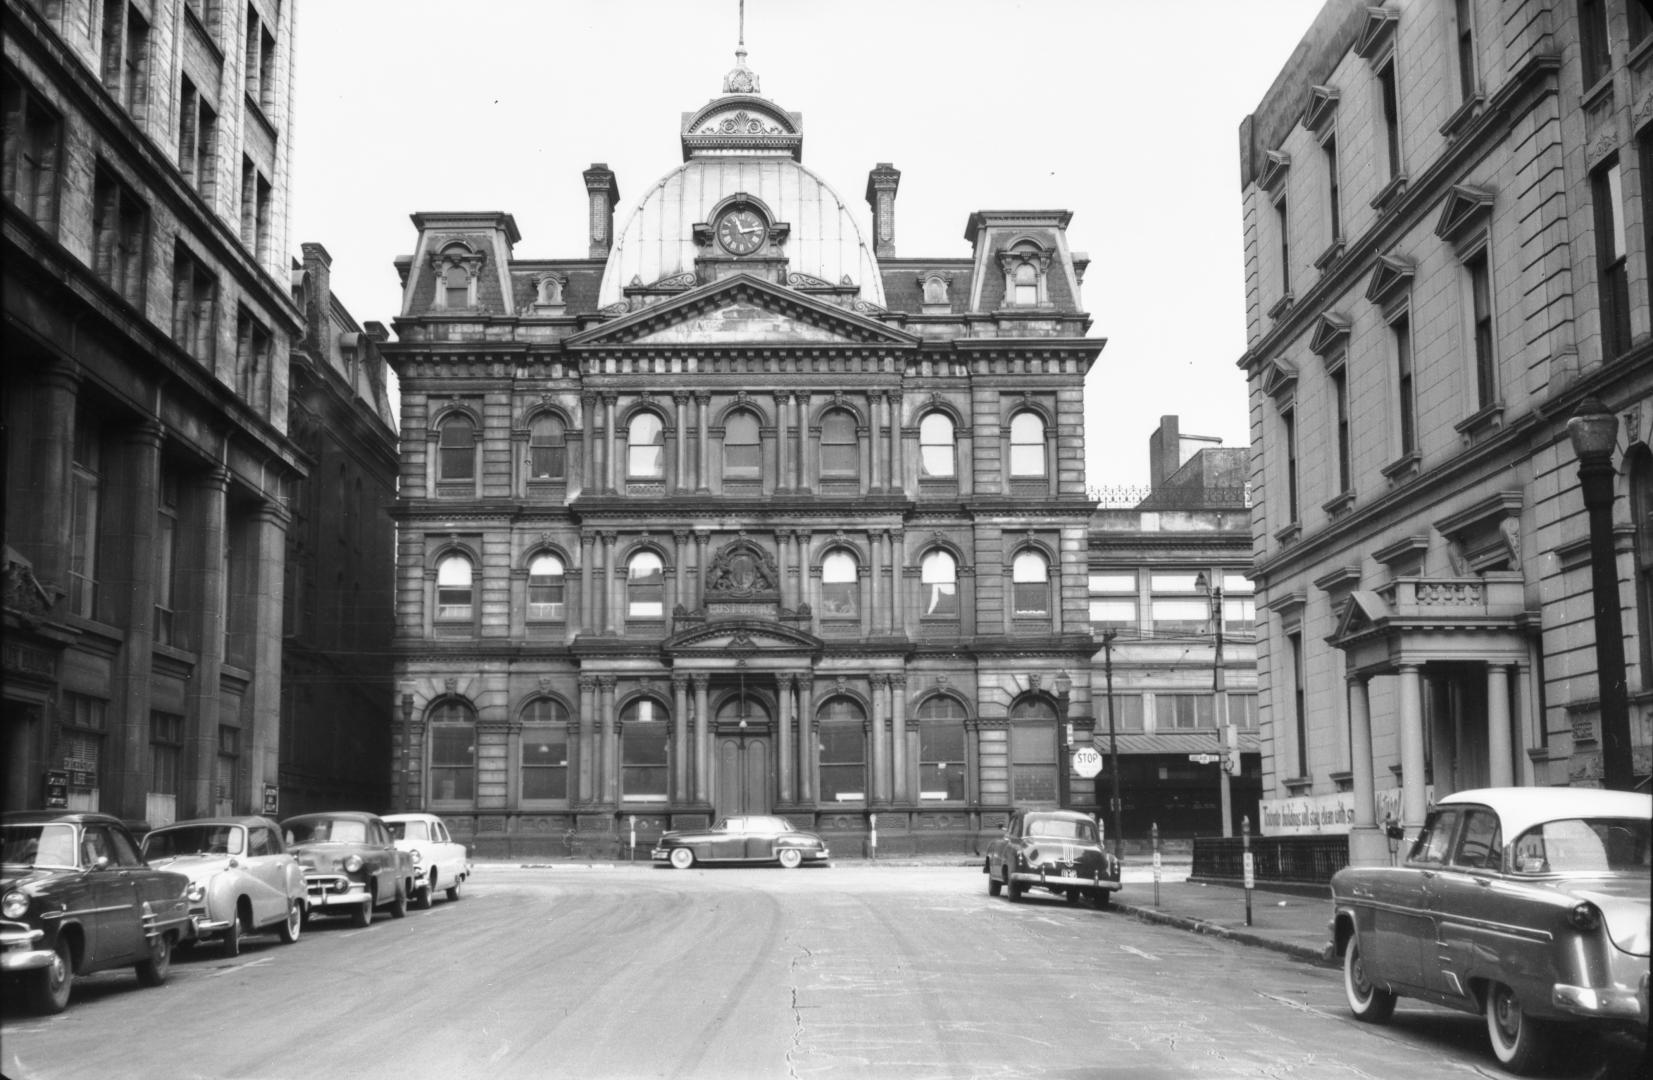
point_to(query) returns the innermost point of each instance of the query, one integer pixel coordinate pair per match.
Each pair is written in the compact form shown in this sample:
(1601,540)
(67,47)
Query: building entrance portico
(743,783)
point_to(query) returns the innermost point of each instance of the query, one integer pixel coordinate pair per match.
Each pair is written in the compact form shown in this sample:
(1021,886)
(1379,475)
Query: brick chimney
(604,193)
(881,184)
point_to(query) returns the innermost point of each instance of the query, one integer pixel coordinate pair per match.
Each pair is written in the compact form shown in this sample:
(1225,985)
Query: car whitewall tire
(682,858)
(791,858)
(1520,1043)
(1371,1004)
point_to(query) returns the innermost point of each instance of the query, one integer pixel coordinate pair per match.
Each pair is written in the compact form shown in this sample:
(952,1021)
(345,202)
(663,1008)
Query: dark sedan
(75,898)
(1057,850)
(1527,905)
(742,839)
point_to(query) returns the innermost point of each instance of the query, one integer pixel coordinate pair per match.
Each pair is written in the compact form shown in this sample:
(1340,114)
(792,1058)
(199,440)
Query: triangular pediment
(740,639)
(1392,275)
(742,310)
(1465,207)
(1361,612)
(1331,332)
(1321,108)
(1279,378)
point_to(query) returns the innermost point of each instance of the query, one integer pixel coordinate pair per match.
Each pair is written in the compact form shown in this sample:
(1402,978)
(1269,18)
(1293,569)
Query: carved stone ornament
(1033,681)
(741,569)
(839,685)
(545,684)
(451,685)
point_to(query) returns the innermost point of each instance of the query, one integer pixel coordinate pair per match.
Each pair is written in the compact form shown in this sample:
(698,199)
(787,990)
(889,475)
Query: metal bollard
(872,835)
(633,856)
(1155,833)
(1250,870)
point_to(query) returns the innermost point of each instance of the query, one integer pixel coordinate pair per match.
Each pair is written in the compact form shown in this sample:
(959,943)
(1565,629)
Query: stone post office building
(736,511)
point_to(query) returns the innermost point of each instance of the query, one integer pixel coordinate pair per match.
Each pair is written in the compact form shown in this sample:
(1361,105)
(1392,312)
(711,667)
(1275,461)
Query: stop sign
(1087,761)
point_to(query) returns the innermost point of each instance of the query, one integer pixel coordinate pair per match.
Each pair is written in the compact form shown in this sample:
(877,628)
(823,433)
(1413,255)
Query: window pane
(645,587)
(1114,612)
(938,581)
(545,588)
(1113,583)
(935,438)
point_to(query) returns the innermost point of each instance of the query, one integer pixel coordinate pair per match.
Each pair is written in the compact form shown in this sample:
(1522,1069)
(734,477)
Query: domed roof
(658,240)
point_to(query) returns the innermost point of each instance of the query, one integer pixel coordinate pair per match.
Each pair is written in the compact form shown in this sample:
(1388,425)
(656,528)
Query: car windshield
(326,831)
(1063,829)
(38,845)
(1583,845)
(408,830)
(194,840)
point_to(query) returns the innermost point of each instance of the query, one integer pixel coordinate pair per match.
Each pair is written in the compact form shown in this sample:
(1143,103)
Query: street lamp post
(1064,740)
(1113,742)
(1594,433)
(1219,691)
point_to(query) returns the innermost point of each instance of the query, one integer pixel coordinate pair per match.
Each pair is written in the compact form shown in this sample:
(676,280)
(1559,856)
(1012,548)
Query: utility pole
(1113,739)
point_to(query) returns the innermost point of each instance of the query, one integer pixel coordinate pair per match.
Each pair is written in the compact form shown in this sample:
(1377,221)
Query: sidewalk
(1290,924)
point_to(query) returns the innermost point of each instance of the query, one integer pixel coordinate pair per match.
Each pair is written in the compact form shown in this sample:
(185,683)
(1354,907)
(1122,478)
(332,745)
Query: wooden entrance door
(743,775)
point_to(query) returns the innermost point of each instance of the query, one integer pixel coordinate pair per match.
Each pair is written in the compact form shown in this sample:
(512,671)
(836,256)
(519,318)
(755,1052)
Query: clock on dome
(740,230)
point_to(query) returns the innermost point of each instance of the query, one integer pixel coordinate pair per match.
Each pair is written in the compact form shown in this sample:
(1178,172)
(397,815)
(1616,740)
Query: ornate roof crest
(741,79)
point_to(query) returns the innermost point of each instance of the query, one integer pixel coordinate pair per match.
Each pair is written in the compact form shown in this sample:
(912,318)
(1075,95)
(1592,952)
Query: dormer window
(1027,285)
(456,284)
(549,291)
(1026,266)
(456,268)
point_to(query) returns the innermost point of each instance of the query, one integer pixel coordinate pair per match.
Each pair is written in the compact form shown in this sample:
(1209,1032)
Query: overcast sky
(1125,112)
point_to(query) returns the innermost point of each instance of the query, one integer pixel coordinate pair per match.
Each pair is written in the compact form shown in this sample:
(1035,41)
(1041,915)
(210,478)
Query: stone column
(611,585)
(133,496)
(203,581)
(902,794)
(590,621)
(587,744)
(262,744)
(898,585)
(1360,751)
(703,403)
(806,447)
(680,402)
(1499,755)
(875,477)
(702,740)
(878,791)
(681,752)
(700,541)
(898,472)
(608,758)
(806,739)
(783,745)
(43,533)
(588,448)
(678,587)
(1413,802)
(783,434)
(875,584)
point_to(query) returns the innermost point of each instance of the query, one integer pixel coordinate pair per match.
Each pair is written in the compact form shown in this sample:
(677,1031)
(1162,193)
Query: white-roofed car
(1527,905)
(439,862)
(242,878)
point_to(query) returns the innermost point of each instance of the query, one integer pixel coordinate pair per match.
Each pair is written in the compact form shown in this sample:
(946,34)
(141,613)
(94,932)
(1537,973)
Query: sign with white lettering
(1087,762)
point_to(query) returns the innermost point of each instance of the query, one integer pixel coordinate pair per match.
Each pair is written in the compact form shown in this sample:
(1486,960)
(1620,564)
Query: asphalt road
(844,971)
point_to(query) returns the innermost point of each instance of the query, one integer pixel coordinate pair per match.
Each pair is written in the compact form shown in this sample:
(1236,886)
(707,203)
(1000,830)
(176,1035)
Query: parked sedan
(438,862)
(350,864)
(1528,905)
(75,898)
(742,839)
(1057,850)
(242,879)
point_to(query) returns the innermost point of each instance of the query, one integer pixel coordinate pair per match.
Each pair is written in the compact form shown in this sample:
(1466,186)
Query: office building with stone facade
(149,467)
(1447,231)
(1163,563)
(736,511)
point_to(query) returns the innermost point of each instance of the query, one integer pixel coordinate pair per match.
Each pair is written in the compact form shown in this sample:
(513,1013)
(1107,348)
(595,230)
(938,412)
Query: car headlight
(1032,856)
(418,857)
(352,863)
(196,892)
(1584,916)
(14,904)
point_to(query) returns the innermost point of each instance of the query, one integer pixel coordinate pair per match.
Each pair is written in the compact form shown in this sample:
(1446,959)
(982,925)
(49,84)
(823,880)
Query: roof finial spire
(741,79)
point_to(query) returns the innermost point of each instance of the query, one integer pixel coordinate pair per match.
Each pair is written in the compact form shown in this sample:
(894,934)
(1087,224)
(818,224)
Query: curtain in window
(938,578)
(646,447)
(935,445)
(1030,586)
(453,588)
(840,585)
(645,586)
(545,587)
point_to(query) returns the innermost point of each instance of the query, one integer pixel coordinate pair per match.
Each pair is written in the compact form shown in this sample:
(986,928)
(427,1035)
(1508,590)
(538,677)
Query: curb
(1306,953)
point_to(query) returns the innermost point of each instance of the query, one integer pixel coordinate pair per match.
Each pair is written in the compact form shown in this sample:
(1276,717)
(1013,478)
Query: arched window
(452,752)
(941,749)
(1027,285)
(1030,584)
(646,447)
(935,445)
(545,587)
(741,452)
(840,585)
(1638,465)
(1032,752)
(644,726)
(456,449)
(1027,444)
(645,587)
(740,710)
(454,589)
(938,578)
(544,750)
(840,455)
(843,750)
(456,284)
(547,451)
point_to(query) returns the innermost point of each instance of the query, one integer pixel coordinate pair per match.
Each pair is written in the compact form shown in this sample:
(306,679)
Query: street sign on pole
(1087,762)
(1205,759)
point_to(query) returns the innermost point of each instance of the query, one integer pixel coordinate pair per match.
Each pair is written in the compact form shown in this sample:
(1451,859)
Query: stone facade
(735,511)
(1446,236)
(147,462)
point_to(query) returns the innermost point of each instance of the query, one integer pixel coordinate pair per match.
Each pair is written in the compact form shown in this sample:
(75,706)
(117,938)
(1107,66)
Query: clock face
(741,231)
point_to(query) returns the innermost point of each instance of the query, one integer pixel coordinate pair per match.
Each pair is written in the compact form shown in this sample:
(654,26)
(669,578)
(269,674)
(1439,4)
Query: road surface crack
(803,954)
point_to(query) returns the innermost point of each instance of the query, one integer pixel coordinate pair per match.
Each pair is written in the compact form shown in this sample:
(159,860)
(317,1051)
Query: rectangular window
(252,358)
(1480,310)
(1177,607)
(166,557)
(1334,199)
(1391,115)
(166,752)
(1284,222)
(1127,715)
(1606,192)
(194,302)
(32,153)
(1239,615)
(227,783)
(197,139)
(1183,712)
(453,761)
(1288,436)
(843,757)
(1294,645)
(85,515)
(120,224)
(941,761)
(84,724)
(1033,762)
(1242,711)
(1340,403)
(544,762)
(135,65)
(1407,411)
(1113,600)
(113,33)
(643,760)
(1593,42)
(1466,51)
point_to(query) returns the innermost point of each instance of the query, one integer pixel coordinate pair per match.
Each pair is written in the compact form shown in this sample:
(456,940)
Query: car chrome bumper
(205,924)
(1608,1003)
(1041,877)
(20,953)
(331,890)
